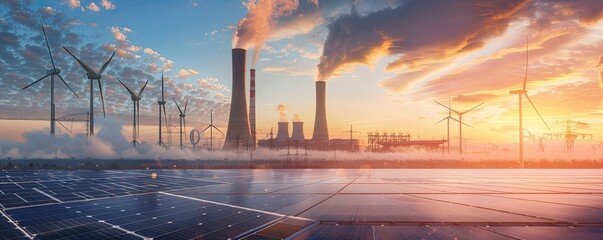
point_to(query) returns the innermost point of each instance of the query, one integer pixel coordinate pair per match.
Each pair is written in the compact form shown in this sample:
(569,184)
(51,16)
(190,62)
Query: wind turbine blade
(36,81)
(177,105)
(47,45)
(442,120)
(185,106)
(450,109)
(63,80)
(525,78)
(142,90)
(86,67)
(106,64)
(100,89)
(456,120)
(206,128)
(127,88)
(217,129)
(530,100)
(165,116)
(472,108)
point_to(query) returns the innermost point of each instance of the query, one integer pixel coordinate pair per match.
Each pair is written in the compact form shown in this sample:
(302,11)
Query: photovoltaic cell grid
(302,204)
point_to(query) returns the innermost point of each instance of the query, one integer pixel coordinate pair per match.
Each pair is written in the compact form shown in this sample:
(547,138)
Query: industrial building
(386,142)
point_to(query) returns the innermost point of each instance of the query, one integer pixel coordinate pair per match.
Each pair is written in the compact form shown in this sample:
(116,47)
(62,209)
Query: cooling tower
(321,131)
(283,131)
(298,132)
(238,133)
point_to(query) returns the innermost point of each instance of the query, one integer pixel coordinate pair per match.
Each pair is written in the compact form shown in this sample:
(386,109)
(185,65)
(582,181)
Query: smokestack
(321,131)
(298,132)
(238,133)
(283,131)
(252,104)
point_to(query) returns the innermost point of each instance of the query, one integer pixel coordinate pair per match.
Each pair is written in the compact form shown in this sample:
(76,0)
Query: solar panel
(301,204)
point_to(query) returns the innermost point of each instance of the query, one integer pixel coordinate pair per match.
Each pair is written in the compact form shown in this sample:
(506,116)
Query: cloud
(93,7)
(108,5)
(474,98)
(415,31)
(24,58)
(184,73)
(74,3)
(123,48)
(276,69)
(151,52)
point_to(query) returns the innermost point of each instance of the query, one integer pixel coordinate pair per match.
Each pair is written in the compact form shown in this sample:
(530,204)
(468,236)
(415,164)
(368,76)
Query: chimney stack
(238,133)
(321,131)
(252,105)
(283,131)
(298,132)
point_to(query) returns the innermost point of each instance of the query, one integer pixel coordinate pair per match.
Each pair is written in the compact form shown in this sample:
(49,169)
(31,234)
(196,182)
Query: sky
(385,62)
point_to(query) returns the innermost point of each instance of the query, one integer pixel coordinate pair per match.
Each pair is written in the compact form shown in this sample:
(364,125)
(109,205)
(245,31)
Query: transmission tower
(570,135)
(352,132)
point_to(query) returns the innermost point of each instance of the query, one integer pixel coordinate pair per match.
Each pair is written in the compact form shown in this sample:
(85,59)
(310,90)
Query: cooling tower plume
(283,131)
(238,133)
(321,131)
(298,132)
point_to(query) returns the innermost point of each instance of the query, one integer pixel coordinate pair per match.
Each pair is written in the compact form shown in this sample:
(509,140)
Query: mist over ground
(110,143)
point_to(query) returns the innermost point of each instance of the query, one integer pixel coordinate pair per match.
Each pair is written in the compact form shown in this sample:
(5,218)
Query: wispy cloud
(184,73)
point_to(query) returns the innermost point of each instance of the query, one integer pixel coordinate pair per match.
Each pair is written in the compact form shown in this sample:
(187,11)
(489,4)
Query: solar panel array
(302,204)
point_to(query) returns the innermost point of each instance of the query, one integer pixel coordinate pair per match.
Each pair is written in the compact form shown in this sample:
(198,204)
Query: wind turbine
(136,112)
(52,72)
(161,104)
(520,93)
(182,119)
(211,127)
(447,118)
(92,75)
(460,120)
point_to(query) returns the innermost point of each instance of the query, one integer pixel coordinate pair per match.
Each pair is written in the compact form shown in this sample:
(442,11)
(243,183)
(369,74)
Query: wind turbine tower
(93,75)
(136,112)
(460,120)
(211,127)
(520,93)
(161,104)
(447,118)
(182,120)
(52,72)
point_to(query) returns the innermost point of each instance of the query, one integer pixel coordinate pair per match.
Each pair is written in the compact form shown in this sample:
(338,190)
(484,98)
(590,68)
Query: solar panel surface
(302,204)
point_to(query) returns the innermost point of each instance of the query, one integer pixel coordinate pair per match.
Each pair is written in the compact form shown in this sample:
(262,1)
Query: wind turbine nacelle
(53,71)
(90,76)
(160,102)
